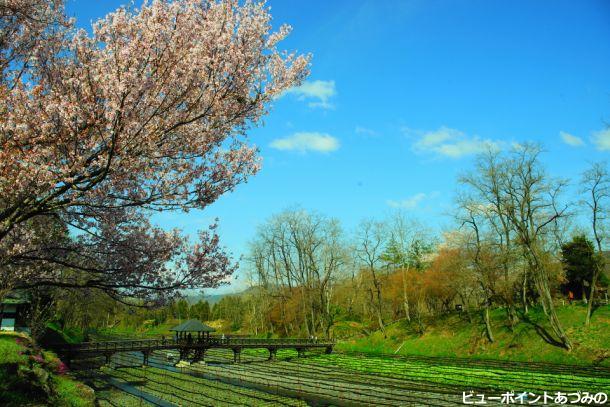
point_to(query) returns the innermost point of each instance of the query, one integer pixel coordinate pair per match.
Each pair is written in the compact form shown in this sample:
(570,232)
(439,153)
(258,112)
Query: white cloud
(409,203)
(307,141)
(517,146)
(450,143)
(601,139)
(571,140)
(318,93)
(365,131)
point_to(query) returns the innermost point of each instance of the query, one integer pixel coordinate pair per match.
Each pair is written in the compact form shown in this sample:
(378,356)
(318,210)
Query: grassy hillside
(30,376)
(144,331)
(454,336)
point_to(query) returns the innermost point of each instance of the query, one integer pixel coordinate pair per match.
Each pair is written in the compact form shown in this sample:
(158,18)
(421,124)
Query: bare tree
(471,214)
(403,232)
(531,206)
(407,249)
(486,183)
(297,258)
(596,183)
(371,238)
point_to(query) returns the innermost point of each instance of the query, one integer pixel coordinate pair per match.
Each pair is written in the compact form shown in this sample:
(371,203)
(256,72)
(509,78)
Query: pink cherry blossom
(148,113)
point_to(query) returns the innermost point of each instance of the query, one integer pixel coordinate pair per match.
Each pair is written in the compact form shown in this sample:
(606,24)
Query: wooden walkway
(194,349)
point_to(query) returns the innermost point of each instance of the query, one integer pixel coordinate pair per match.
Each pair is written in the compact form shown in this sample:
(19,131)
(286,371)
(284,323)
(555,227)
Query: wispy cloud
(601,139)
(409,203)
(363,131)
(318,93)
(307,141)
(449,142)
(571,140)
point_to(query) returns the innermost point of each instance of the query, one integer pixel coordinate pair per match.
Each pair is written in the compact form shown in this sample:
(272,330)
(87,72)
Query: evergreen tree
(579,262)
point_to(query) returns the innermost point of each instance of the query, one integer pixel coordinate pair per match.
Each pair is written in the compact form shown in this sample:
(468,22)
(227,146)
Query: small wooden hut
(188,329)
(14,309)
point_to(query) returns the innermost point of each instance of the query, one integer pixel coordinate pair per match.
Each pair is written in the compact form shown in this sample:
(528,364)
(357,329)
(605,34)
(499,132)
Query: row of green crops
(180,389)
(353,390)
(450,377)
(118,398)
(463,377)
(287,378)
(107,395)
(342,379)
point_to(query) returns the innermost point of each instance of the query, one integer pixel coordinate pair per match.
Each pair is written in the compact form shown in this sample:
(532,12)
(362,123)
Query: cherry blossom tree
(147,113)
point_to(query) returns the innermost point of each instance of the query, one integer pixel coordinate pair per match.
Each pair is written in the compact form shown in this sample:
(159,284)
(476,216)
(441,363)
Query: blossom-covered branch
(149,112)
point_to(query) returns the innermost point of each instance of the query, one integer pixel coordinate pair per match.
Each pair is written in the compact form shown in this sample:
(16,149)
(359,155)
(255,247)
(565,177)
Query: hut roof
(16,297)
(192,325)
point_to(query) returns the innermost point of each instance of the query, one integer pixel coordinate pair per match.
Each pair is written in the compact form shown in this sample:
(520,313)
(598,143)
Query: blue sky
(403,93)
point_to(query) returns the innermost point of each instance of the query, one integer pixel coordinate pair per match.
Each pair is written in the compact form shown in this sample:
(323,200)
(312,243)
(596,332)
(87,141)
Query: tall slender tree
(371,244)
(531,206)
(596,183)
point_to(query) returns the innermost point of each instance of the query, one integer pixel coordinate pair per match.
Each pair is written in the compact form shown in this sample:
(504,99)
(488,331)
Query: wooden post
(236,355)
(272,353)
(145,353)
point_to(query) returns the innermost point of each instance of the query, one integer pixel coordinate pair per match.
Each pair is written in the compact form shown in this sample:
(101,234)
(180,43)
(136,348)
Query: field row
(181,390)
(421,373)
(332,379)
(311,384)
(463,377)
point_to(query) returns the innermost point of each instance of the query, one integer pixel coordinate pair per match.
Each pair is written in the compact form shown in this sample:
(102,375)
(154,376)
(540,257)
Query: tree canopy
(149,112)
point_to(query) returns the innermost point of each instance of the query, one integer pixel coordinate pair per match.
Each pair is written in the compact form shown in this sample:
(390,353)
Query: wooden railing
(168,343)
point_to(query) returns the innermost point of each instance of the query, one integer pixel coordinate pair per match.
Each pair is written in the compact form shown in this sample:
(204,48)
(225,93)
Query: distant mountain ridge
(210,298)
(214,298)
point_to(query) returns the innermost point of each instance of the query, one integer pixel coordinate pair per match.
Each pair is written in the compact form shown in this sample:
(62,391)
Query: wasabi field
(339,379)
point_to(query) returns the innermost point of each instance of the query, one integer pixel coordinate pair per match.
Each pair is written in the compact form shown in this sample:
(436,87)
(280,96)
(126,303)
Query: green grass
(136,332)
(10,350)
(71,393)
(453,336)
(70,335)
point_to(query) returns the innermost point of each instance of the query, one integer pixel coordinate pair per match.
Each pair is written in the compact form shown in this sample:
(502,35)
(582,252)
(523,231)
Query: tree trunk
(512,316)
(405,295)
(378,311)
(407,311)
(466,307)
(524,293)
(490,335)
(420,322)
(599,265)
(594,278)
(541,281)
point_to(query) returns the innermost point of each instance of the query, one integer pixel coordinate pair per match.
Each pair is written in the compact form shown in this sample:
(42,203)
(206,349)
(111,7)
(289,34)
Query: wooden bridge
(190,349)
